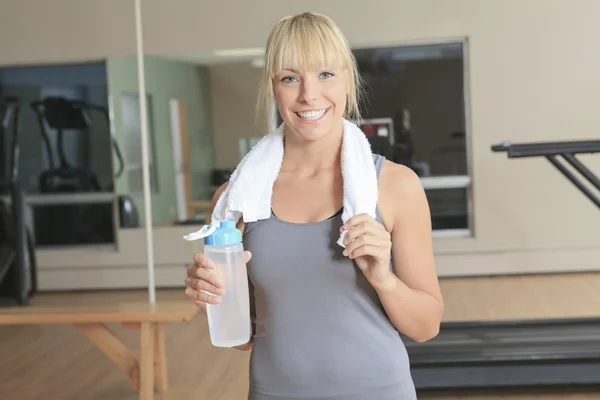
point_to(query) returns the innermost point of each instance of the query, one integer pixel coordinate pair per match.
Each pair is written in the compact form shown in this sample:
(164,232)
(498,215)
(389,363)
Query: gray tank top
(321,331)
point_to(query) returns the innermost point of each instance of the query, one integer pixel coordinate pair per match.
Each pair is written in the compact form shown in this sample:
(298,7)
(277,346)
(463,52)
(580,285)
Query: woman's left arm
(410,293)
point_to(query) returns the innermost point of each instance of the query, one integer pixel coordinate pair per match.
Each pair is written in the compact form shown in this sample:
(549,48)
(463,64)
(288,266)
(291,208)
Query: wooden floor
(58,363)
(522,297)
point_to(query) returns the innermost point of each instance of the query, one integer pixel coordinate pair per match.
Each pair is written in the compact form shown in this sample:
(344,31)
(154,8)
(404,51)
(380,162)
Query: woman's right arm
(201,277)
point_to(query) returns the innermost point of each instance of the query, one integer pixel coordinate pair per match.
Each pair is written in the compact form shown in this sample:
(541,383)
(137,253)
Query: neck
(311,156)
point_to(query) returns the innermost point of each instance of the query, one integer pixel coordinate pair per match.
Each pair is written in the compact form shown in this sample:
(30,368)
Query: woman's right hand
(202,277)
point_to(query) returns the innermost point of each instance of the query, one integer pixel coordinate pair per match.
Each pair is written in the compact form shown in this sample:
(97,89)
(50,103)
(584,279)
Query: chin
(313,130)
(311,133)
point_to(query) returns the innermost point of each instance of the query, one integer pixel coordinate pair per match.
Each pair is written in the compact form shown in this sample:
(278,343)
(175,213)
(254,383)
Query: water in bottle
(229,321)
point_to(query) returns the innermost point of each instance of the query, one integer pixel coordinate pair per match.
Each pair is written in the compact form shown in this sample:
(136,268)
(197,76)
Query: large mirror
(180,145)
(415,114)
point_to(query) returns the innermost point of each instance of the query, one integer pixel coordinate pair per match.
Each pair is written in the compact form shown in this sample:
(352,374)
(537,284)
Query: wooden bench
(150,371)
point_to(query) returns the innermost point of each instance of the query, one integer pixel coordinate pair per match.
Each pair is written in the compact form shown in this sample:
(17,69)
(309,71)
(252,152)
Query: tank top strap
(378,160)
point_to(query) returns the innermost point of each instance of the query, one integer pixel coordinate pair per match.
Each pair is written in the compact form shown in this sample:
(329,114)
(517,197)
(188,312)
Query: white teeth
(311,115)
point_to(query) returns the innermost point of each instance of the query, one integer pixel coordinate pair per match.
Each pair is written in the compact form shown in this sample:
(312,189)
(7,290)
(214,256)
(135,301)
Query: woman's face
(311,103)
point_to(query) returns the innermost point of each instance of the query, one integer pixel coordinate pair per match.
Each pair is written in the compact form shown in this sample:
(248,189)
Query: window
(415,113)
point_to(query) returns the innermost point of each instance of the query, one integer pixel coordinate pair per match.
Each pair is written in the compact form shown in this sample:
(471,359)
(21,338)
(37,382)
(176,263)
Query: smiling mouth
(312,115)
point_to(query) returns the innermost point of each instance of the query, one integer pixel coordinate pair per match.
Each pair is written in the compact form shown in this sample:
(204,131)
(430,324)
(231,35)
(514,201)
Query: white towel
(250,188)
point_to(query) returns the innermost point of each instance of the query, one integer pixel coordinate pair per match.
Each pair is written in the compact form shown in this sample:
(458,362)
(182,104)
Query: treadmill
(537,354)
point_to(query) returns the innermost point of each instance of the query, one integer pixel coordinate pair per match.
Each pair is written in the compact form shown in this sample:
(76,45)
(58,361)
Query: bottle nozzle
(203,232)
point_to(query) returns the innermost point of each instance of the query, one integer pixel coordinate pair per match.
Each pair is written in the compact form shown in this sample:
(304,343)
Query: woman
(327,318)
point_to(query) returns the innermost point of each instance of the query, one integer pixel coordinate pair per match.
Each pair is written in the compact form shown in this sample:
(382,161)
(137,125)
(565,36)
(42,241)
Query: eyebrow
(291,70)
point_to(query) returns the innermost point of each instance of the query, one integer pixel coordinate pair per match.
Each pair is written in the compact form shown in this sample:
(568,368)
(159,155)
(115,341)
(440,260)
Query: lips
(312,115)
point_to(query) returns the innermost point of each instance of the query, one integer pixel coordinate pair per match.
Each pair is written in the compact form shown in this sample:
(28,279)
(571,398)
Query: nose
(308,92)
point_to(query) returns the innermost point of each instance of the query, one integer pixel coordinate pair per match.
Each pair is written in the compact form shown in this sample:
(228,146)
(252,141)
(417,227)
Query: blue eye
(327,75)
(287,79)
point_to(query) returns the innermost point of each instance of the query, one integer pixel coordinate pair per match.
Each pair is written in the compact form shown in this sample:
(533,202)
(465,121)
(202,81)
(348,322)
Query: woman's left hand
(369,245)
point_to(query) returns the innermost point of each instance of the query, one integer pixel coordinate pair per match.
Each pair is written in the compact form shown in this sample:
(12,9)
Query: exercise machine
(61,113)
(531,354)
(519,354)
(64,224)
(552,151)
(64,114)
(18,279)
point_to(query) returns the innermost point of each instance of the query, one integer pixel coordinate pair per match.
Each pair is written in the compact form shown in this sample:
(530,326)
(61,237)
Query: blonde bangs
(303,46)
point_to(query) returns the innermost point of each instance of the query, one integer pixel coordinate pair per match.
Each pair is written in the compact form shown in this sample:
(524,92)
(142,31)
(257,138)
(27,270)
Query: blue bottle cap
(225,234)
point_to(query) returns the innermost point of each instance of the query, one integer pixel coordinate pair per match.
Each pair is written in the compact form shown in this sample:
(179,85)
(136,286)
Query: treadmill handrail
(515,150)
(551,151)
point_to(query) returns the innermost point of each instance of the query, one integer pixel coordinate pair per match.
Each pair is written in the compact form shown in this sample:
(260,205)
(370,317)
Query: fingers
(365,250)
(200,297)
(360,230)
(361,219)
(209,276)
(370,243)
(204,287)
(361,225)
(355,232)
(202,261)
(202,283)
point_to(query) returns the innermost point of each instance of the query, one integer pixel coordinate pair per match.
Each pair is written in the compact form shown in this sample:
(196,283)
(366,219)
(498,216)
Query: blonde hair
(311,41)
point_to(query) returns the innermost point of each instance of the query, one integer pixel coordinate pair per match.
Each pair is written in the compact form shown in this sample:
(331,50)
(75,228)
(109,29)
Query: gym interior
(493,103)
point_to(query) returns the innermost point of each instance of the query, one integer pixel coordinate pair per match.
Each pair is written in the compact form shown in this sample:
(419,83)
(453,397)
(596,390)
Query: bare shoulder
(400,193)
(398,179)
(218,194)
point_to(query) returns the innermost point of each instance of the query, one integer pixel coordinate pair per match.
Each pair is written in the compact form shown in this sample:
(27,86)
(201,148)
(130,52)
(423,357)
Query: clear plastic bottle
(228,321)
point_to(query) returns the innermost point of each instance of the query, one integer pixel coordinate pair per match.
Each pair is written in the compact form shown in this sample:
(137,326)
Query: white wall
(533,76)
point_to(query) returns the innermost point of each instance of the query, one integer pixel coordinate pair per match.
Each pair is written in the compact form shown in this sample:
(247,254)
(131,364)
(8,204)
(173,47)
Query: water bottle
(228,321)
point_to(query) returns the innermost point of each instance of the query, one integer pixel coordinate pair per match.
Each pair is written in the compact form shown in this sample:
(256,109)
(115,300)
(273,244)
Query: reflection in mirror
(181,133)
(130,108)
(125,117)
(78,151)
(61,124)
(415,114)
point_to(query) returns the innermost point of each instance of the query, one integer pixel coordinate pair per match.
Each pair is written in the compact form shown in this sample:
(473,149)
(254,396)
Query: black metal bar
(570,176)
(551,150)
(542,323)
(517,150)
(21,291)
(37,108)
(9,113)
(583,170)
(14,147)
(502,377)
